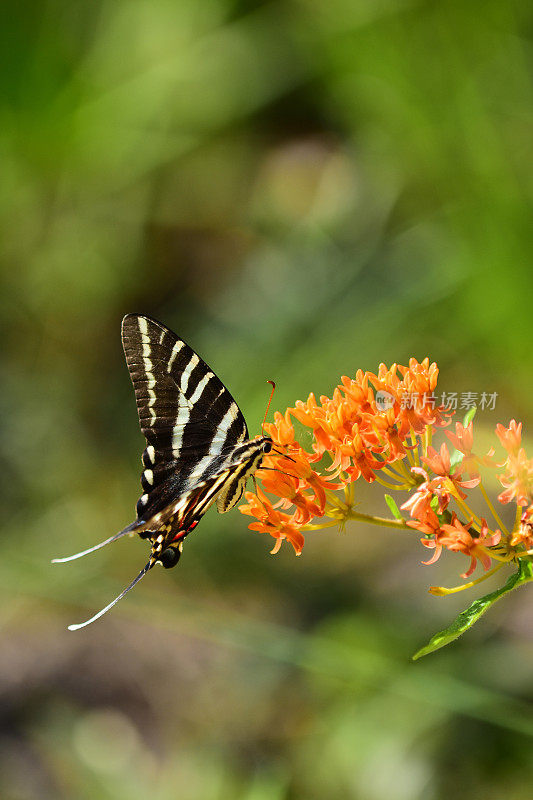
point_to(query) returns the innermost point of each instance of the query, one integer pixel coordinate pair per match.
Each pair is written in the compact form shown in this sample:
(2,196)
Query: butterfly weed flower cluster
(380,428)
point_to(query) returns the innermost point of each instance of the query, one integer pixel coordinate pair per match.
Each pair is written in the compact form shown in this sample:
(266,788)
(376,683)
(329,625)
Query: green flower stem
(427,438)
(403,471)
(409,457)
(442,591)
(394,487)
(493,510)
(414,442)
(387,523)
(467,511)
(335,501)
(349,514)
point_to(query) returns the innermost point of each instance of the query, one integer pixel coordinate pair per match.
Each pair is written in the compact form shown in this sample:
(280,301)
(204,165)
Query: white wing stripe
(175,350)
(198,471)
(200,388)
(187,371)
(184,412)
(222,429)
(148,366)
(217,442)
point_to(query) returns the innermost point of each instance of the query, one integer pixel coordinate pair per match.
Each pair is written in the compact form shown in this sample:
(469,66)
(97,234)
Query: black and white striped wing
(189,419)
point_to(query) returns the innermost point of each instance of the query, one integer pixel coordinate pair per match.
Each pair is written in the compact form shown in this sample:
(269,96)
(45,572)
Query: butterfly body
(198,451)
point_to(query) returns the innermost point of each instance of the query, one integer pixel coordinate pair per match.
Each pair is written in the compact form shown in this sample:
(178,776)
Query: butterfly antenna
(101,613)
(269,401)
(129,529)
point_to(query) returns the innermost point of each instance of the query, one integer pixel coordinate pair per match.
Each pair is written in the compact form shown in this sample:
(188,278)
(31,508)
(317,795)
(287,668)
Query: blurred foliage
(299,189)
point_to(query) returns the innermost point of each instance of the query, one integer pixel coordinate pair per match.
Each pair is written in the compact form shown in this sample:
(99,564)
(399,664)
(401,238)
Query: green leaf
(391,502)
(469,416)
(456,458)
(466,618)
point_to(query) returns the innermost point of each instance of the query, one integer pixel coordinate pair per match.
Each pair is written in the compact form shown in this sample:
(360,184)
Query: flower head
(421,499)
(429,524)
(463,440)
(419,383)
(379,427)
(511,437)
(269,520)
(458,538)
(440,464)
(517,479)
(362,440)
(524,535)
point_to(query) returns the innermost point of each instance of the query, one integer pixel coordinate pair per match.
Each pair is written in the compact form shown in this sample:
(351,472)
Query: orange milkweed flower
(313,416)
(294,461)
(524,534)
(511,437)
(354,458)
(419,382)
(387,380)
(429,524)
(440,464)
(457,538)
(416,385)
(286,488)
(420,501)
(281,430)
(463,440)
(517,479)
(391,429)
(362,439)
(380,437)
(289,476)
(359,437)
(269,520)
(299,466)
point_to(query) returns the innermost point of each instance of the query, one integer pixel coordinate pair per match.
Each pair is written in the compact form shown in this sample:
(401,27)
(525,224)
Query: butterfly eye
(267,447)
(170,557)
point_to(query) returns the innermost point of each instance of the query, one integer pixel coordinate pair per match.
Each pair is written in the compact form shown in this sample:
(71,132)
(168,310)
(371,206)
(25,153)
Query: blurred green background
(299,189)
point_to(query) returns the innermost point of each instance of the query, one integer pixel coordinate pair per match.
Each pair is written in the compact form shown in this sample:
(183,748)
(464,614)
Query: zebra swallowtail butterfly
(197,452)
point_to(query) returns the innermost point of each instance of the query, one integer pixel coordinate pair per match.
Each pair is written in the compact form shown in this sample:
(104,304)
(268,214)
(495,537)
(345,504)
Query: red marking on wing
(183,534)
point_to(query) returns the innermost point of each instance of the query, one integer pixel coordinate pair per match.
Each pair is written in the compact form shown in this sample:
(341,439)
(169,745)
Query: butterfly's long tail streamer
(130,529)
(101,613)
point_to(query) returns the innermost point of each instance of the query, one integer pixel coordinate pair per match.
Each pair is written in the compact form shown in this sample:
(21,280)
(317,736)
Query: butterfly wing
(180,517)
(188,417)
(173,524)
